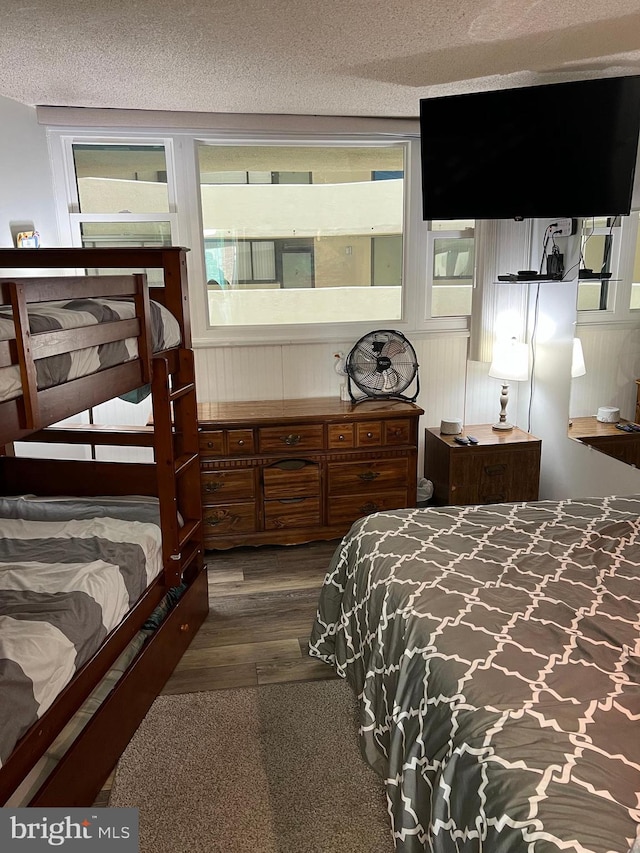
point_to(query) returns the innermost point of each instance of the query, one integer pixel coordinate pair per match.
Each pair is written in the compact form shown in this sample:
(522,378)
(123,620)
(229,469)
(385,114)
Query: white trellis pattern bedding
(495,651)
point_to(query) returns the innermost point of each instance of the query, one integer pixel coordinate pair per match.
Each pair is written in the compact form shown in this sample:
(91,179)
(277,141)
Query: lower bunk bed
(87,624)
(495,652)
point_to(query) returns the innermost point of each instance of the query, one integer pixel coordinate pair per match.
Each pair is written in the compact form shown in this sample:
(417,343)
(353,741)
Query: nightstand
(504,467)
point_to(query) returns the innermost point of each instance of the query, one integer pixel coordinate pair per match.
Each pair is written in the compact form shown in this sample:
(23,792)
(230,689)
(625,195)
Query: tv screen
(564,149)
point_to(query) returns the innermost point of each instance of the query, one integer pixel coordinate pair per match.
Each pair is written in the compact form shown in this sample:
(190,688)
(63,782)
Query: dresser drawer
(291,478)
(397,431)
(211,443)
(292,512)
(229,518)
(340,436)
(301,437)
(223,442)
(227,485)
(369,476)
(369,434)
(239,442)
(345,510)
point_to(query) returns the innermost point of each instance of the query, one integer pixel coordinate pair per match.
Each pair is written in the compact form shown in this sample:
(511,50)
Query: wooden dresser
(291,471)
(503,467)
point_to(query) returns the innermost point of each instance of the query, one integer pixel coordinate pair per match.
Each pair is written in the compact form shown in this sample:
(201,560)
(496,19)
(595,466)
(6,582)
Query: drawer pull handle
(369,475)
(241,442)
(369,507)
(209,444)
(220,517)
(493,470)
(184,627)
(341,437)
(369,435)
(291,439)
(210,488)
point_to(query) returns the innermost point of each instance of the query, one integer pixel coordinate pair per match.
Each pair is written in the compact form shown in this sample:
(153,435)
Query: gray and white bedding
(495,651)
(77,313)
(70,570)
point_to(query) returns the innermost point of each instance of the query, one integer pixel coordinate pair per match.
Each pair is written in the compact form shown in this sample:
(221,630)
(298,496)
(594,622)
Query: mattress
(77,313)
(496,654)
(70,570)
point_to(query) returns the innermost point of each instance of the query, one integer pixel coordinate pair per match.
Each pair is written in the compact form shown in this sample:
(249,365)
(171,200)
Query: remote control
(472,439)
(461,439)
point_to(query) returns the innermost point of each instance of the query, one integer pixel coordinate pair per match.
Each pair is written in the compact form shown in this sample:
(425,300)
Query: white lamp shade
(510,361)
(577,362)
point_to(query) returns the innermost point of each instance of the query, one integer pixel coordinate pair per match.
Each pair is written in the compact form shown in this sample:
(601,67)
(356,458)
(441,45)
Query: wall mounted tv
(564,149)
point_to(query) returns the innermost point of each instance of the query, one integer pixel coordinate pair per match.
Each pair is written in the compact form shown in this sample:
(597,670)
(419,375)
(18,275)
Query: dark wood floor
(262,606)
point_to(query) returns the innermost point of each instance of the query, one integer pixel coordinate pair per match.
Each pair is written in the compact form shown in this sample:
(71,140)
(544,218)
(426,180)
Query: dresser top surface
(308,409)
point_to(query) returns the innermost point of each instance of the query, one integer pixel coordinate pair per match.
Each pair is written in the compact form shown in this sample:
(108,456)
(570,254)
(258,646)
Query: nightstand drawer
(369,476)
(346,510)
(292,512)
(229,518)
(297,437)
(227,485)
(291,478)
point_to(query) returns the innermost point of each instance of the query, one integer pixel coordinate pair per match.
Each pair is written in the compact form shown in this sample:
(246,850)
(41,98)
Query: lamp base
(505,426)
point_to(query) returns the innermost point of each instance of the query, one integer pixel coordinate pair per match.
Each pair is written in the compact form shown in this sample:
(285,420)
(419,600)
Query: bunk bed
(67,343)
(495,652)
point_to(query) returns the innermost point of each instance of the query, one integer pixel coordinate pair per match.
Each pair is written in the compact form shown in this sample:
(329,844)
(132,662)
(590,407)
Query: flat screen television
(563,149)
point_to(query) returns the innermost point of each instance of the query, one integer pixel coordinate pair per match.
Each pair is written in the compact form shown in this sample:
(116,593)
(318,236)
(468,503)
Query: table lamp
(510,364)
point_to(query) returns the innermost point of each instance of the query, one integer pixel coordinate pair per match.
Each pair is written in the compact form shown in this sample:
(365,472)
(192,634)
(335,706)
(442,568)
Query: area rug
(274,769)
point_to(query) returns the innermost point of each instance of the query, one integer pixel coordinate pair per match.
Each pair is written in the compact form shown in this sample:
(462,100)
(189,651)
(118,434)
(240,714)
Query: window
(598,252)
(120,195)
(451,258)
(302,233)
(292,236)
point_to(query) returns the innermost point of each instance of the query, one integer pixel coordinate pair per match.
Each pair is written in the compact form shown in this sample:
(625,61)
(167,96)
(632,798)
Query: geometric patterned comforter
(78,313)
(495,651)
(70,570)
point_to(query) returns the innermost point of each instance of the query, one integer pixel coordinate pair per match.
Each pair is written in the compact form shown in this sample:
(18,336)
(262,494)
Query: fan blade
(390,379)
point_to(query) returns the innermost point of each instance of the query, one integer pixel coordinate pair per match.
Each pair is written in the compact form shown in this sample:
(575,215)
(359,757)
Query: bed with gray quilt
(70,570)
(495,651)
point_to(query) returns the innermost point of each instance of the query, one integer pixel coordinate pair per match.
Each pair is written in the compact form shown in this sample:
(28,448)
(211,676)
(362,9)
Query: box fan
(383,365)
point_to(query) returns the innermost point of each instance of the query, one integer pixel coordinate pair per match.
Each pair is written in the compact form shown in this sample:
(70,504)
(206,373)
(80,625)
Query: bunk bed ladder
(177,464)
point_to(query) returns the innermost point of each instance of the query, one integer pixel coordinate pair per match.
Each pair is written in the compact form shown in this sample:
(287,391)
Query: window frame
(618,312)
(185,216)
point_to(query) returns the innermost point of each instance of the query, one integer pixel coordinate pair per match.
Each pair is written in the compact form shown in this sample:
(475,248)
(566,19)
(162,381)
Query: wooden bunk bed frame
(173,477)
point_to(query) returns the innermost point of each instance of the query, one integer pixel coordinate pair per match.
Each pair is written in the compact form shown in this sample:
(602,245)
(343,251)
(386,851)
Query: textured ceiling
(329,57)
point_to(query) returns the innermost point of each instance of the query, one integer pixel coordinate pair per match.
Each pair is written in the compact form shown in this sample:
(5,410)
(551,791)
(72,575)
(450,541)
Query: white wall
(26,184)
